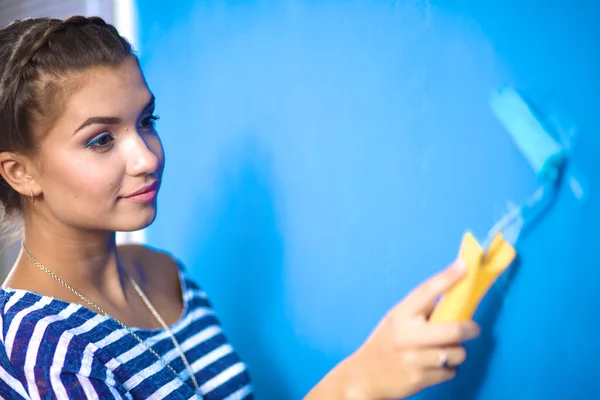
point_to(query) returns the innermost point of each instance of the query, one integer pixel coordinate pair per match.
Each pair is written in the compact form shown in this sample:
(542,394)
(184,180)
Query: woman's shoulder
(160,270)
(148,254)
(157,262)
(152,267)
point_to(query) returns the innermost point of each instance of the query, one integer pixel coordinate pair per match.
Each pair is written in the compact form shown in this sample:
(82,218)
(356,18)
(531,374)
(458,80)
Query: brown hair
(37,57)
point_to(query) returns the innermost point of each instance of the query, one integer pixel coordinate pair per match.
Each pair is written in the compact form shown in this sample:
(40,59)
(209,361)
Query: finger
(438,375)
(441,334)
(423,298)
(434,357)
(442,357)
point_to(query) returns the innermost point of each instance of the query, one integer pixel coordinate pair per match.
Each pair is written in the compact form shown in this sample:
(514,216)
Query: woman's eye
(101,141)
(149,122)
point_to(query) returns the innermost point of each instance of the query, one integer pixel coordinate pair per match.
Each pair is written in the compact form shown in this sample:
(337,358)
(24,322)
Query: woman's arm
(405,353)
(338,384)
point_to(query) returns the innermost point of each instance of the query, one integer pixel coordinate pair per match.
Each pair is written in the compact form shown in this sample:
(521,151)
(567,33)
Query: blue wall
(324,157)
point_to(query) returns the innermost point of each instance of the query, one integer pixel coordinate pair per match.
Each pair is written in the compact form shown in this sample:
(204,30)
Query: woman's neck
(84,259)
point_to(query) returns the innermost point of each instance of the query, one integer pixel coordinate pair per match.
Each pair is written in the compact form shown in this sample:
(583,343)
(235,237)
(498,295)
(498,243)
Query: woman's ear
(19,172)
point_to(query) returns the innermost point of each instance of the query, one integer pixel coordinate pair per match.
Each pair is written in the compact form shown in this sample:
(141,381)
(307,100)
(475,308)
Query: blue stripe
(4,298)
(150,385)
(143,361)
(73,358)
(101,389)
(221,392)
(218,366)
(72,386)
(8,392)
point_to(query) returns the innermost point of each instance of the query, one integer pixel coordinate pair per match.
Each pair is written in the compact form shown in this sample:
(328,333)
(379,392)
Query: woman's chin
(140,221)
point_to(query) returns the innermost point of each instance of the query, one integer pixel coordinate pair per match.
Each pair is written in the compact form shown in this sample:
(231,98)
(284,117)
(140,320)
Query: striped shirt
(51,349)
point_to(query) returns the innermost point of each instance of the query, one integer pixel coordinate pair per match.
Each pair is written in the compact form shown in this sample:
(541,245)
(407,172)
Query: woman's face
(101,163)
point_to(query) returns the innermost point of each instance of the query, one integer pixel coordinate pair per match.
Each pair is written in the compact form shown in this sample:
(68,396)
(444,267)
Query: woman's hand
(405,353)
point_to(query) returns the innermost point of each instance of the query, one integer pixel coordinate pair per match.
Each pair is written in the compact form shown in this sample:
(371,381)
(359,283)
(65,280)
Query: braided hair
(37,58)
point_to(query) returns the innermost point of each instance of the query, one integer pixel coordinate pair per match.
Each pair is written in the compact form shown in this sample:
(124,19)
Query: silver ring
(444,360)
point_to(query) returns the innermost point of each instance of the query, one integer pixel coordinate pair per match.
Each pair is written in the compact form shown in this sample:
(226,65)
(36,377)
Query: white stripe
(63,345)
(88,325)
(240,394)
(88,388)
(115,393)
(110,339)
(14,298)
(88,353)
(111,381)
(16,323)
(57,364)
(127,394)
(86,369)
(211,357)
(87,359)
(170,356)
(34,346)
(13,383)
(194,293)
(223,377)
(165,389)
(112,364)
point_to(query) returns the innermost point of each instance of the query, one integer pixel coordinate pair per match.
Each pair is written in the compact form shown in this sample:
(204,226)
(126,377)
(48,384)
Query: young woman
(82,318)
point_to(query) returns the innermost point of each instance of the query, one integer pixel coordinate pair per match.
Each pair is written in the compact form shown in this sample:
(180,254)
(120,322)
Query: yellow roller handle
(462,300)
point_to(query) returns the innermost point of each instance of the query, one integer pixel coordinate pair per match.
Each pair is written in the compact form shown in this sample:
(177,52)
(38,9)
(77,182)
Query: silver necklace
(128,329)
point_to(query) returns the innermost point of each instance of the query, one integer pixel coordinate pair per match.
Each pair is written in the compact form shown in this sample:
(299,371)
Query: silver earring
(31,192)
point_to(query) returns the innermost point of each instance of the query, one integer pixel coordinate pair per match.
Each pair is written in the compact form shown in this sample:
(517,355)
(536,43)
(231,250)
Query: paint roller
(485,263)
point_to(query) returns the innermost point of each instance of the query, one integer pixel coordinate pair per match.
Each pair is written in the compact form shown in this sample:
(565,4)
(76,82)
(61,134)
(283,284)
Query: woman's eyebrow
(112,120)
(99,120)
